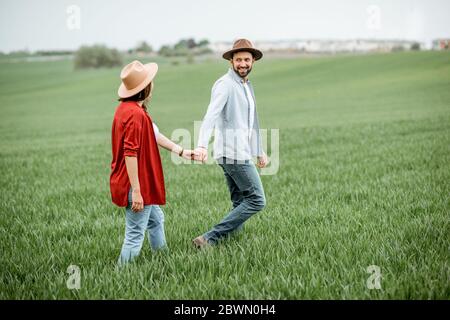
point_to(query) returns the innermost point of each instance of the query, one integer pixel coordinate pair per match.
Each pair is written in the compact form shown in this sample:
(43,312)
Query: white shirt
(251,108)
(233,116)
(155,129)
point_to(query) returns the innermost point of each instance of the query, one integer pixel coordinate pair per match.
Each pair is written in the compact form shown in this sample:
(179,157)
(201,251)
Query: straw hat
(243,45)
(135,77)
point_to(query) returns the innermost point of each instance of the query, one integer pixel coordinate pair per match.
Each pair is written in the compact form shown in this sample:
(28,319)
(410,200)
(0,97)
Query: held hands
(189,154)
(202,154)
(185,153)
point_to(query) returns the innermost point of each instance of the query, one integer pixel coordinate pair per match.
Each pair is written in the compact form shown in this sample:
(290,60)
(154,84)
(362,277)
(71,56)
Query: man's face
(242,63)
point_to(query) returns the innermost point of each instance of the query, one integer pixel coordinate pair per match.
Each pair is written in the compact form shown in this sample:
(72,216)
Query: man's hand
(190,154)
(137,201)
(202,154)
(262,161)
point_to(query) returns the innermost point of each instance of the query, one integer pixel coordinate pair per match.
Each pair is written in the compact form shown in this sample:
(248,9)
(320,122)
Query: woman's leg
(155,227)
(136,224)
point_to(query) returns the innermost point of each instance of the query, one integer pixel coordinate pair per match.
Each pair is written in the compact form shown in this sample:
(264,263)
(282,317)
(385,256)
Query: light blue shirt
(232,115)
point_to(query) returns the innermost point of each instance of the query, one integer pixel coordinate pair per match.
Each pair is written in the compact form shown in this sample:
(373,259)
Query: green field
(363,180)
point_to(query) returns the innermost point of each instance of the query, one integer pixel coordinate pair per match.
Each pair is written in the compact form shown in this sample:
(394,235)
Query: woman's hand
(189,154)
(137,201)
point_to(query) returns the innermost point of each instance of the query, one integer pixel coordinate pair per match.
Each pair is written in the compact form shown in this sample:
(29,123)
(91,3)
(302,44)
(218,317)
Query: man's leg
(155,227)
(247,179)
(235,194)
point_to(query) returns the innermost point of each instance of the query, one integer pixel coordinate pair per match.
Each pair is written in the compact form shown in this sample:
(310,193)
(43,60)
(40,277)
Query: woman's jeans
(151,219)
(247,196)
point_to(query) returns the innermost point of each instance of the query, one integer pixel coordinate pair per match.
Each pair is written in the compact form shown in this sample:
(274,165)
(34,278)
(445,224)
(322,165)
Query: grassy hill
(363,180)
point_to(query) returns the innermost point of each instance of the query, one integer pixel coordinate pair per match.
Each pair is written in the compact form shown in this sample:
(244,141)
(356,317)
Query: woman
(137,180)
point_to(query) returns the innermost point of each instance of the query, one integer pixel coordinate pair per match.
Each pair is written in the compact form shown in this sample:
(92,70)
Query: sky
(68,24)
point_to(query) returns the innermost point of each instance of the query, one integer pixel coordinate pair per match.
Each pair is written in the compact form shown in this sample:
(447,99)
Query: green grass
(363,180)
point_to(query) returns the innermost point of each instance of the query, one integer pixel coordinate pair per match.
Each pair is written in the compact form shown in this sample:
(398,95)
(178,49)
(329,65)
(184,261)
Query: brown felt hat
(243,45)
(135,77)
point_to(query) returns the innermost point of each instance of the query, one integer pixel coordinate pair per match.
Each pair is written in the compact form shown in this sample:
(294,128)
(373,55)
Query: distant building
(323,46)
(441,44)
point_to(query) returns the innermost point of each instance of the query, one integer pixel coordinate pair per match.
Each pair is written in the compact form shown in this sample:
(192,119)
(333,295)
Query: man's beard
(243,75)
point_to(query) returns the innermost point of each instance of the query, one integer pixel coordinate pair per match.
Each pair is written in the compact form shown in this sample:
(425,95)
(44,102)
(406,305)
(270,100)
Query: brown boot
(200,242)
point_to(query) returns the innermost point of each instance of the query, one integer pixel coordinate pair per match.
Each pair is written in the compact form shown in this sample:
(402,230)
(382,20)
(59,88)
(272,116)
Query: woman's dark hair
(141,95)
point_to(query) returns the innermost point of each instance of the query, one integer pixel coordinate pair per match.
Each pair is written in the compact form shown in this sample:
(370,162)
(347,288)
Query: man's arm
(256,144)
(219,97)
(132,170)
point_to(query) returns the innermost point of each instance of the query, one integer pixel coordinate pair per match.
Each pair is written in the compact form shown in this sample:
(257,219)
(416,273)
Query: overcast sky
(57,24)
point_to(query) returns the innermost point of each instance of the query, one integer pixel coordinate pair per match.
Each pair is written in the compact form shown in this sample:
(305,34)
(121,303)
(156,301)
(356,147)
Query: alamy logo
(374,17)
(74,280)
(374,281)
(270,143)
(73,21)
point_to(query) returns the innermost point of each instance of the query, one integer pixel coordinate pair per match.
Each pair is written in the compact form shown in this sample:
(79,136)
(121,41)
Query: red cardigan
(132,135)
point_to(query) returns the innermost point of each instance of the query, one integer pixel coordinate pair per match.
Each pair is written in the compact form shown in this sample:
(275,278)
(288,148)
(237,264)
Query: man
(232,112)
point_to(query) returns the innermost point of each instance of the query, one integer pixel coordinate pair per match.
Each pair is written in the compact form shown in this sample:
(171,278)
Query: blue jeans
(247,196)
(151,219)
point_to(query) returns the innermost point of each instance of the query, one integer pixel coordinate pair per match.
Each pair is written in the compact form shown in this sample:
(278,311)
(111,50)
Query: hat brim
(256,53)
(152,70)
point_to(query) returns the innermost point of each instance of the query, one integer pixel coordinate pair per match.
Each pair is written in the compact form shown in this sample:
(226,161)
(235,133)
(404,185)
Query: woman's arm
(168,144)
(136,197)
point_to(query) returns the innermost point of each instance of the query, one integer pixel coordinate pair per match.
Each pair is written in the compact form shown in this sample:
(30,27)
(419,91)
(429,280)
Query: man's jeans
(247,195)
(150,219)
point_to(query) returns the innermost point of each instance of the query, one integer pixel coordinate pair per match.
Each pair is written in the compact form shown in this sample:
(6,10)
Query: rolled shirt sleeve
(132,143)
